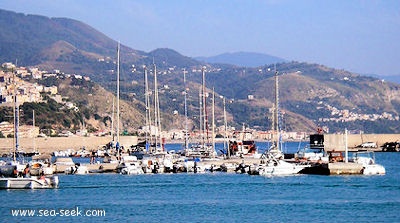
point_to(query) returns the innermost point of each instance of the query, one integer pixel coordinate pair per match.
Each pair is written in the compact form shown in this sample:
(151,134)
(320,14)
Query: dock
(339,168)
(93,168)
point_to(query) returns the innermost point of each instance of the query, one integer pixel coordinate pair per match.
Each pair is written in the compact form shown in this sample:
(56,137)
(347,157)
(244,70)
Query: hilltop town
(13,82)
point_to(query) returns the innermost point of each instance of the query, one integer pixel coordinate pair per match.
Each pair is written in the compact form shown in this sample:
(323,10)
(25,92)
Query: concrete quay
(48,145)
(337,141)
(93,168)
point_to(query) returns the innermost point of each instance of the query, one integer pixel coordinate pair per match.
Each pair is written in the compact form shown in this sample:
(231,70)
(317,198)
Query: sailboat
(272,162)
(17,163)
(204,149)
(153,144)
(143,147)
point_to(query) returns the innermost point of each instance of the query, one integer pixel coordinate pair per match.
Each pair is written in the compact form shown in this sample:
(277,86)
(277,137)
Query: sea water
(211,197)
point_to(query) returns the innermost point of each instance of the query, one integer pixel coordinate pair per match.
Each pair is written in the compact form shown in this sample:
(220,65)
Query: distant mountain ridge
(243,59)
(311,95)
(69,45)
(391,78)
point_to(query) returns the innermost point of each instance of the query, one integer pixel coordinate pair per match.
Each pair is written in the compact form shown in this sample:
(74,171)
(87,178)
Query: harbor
(314,161)
(217,197)
(199,111)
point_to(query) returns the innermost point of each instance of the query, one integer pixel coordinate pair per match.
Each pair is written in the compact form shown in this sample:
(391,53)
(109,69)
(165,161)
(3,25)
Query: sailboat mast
(277,110)
(157,115)
(213,121)
(205,123)
(16,118)
(146,102)
(186,113)
(201,116)
(112,120)
(226,131)
(34,135)
(118,70)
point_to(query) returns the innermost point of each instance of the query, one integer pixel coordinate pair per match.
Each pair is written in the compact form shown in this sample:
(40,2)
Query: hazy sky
(362,36)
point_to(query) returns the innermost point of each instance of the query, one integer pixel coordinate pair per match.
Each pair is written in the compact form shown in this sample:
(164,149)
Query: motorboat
(270,165)
(41,165)
(129,165)
(367,159)
(229,167)
(77,169)
(29,182)
(131,169)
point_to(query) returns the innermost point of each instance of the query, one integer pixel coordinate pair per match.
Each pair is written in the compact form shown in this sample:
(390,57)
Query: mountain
(311,95)
(27,35)
(242,59)
(70,46)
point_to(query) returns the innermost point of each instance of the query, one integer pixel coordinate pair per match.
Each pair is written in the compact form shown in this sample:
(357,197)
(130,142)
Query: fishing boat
(243,145)
(315,152)
(362,162)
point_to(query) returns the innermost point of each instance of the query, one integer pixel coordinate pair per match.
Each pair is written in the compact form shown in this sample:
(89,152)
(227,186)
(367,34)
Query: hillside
(311,95)
(242,59)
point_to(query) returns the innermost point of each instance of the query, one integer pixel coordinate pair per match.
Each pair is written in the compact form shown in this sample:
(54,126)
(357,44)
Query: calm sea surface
(213,197)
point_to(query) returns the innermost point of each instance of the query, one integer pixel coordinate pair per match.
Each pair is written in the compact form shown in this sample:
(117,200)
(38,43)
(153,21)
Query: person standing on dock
(92,157)
(117,147)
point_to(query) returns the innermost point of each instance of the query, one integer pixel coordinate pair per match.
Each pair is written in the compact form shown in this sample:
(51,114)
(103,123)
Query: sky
(361,36)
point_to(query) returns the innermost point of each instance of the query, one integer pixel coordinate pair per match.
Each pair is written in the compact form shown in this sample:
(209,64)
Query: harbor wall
(337,141)
(51,144)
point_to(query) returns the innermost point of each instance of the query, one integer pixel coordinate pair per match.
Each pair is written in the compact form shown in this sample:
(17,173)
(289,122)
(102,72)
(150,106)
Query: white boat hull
(367,159)
(132,170)
(29,183)
(80,170)
(281,168)
(374,169)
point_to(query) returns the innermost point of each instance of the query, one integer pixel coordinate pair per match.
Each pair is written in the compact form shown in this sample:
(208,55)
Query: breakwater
(51,144)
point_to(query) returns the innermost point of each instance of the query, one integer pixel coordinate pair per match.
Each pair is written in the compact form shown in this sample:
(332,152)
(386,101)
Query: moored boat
(274,165)
(129,165)
(272,162)
(367,159)
(29,183)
